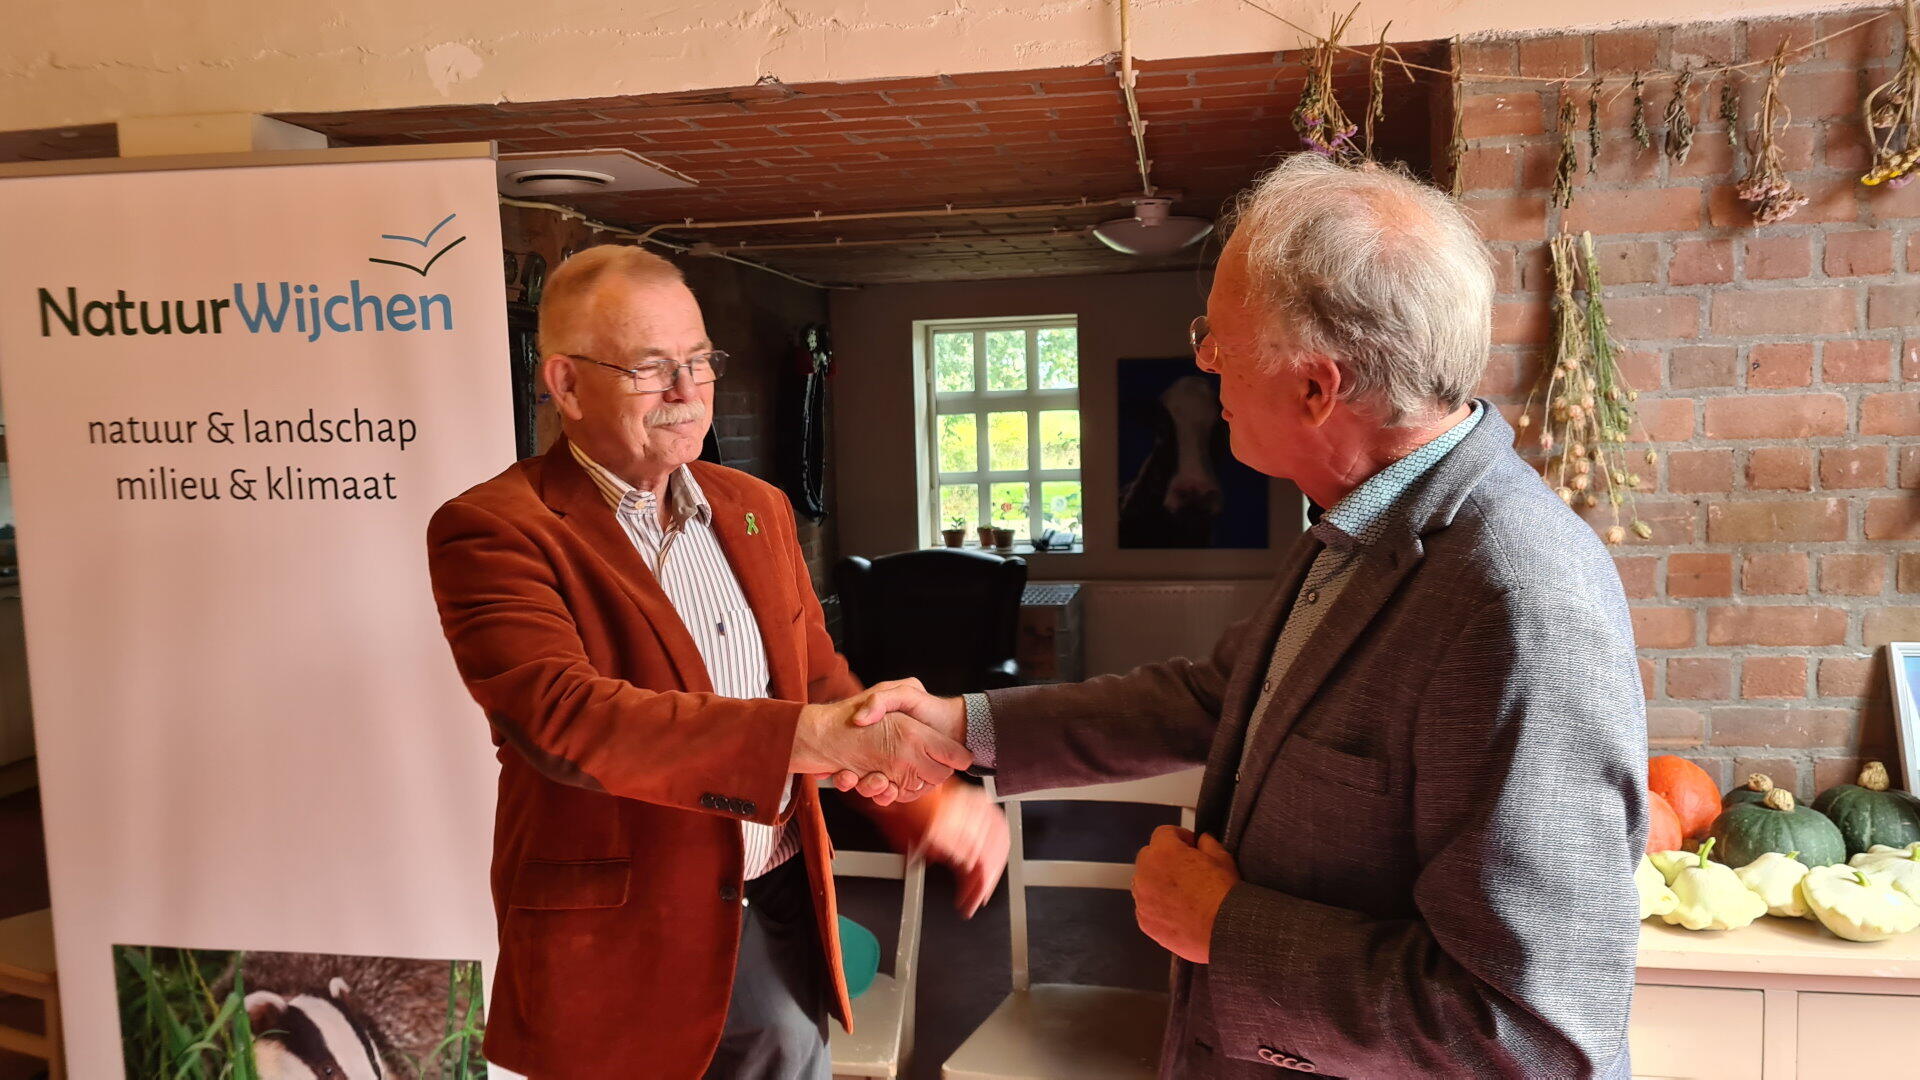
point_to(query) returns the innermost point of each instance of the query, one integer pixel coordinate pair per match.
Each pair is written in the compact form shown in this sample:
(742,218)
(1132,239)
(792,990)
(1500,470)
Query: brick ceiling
(1054,135)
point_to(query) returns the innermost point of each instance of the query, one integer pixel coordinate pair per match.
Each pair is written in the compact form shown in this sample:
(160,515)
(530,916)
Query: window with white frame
(1004,446)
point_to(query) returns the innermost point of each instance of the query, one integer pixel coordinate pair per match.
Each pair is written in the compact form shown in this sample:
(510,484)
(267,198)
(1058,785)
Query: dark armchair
(945,616)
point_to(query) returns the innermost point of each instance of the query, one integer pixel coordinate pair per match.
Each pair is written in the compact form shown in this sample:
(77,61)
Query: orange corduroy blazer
(623,777)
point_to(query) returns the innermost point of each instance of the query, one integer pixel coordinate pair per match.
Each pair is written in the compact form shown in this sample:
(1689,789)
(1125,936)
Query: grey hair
(1377,271)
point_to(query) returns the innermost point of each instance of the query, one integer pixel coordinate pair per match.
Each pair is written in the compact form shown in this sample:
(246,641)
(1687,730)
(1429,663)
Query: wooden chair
(26,969)
(1059,1031)
(882,1036)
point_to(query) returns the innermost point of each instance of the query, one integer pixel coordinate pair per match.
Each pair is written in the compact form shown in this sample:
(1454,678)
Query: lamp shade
(1151,231)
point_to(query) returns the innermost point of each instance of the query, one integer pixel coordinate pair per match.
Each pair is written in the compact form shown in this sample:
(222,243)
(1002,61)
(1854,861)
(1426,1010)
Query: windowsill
(1020,547)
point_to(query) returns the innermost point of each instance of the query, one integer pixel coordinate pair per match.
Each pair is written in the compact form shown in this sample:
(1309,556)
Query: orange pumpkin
(1688,789)
(1663,825)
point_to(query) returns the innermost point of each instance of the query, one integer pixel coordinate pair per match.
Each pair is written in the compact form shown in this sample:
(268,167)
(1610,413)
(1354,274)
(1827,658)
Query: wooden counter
(1780,999)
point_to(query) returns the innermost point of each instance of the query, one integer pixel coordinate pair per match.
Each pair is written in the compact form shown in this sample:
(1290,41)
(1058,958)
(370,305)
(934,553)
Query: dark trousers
(777,1017)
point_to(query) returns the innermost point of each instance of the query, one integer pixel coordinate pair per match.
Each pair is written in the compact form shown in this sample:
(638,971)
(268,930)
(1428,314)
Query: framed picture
(1903,662)
(1180,486)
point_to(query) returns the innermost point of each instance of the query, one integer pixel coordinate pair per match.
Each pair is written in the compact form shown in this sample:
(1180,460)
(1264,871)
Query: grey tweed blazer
(1438,820)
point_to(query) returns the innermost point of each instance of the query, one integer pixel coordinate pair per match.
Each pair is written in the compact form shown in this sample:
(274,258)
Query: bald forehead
(636,319)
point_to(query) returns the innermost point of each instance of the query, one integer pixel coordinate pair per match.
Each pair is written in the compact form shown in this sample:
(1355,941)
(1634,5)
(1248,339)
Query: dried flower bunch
(1319,120)
(1588,409)
(1457,145)
(1569,161)
(1377,87)
(1642,134)
(1893,113)
(1679,119)
(1593,126)
(1730,110)
(1774,198)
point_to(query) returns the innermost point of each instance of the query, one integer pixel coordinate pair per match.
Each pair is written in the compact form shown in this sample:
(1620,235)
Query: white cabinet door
(1697,1033)
(1857,1035)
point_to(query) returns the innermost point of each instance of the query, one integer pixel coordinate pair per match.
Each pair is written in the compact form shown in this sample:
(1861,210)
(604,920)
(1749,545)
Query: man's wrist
(977,733)
(806,756)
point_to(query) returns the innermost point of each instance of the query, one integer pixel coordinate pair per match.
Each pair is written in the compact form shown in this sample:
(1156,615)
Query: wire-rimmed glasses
(658,376)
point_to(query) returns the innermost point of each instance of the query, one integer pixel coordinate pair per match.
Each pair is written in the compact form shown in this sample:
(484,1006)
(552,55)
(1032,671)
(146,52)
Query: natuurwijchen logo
(263,307)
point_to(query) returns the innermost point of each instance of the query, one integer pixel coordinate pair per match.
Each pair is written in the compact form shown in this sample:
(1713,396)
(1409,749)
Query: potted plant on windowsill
(986,537)
(955,534)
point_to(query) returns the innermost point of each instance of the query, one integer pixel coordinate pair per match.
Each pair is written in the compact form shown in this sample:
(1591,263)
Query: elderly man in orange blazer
(642,633)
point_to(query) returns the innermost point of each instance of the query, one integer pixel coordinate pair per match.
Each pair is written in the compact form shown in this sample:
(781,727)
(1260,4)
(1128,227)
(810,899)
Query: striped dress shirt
(686,558)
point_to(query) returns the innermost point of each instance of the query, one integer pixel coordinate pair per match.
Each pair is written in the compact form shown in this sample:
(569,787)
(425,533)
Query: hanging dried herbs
(1679,119)
(1892,113)
(1457,145)
(1593,127)
(1588,411)
(1641,133)
(1319,120)
(1765,185)
(1569,164)
(1730,109)
(1377,87)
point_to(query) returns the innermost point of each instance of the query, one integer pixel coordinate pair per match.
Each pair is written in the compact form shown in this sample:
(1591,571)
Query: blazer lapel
(1369,588)
(1236,705)
(759,563)
(569,492)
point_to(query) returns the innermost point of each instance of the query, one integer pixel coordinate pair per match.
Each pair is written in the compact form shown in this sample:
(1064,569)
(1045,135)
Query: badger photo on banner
(234,393)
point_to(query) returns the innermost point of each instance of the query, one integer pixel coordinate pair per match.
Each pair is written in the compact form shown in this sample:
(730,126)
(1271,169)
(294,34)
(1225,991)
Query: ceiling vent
(583,172)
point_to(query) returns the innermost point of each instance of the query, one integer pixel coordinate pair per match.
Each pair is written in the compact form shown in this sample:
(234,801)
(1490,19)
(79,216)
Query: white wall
(876,436)
(73,63)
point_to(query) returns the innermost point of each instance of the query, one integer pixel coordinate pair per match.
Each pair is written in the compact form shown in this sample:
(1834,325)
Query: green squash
(1868,814)
(1746,831)
(1753,791)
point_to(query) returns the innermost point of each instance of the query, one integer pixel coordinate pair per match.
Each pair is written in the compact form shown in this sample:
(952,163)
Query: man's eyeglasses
(1198,331)
(658,376)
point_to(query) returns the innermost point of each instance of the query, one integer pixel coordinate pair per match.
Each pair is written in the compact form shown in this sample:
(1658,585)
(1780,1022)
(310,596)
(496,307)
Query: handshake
(894,743)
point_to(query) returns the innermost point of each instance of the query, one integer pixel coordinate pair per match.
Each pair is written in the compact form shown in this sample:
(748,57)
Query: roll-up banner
(235,389)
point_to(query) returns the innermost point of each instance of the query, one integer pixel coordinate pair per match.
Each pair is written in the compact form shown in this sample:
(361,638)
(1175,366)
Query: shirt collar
(1362,517)
(687,500)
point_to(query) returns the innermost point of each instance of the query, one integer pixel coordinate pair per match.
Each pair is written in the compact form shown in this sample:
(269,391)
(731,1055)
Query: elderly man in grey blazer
(1425,758)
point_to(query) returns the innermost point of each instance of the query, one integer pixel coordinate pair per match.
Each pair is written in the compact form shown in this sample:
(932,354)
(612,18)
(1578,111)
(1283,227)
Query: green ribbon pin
(753,525)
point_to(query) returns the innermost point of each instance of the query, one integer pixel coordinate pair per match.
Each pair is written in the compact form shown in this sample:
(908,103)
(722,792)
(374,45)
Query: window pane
(1007,360)
(1059,358)
(953,362)
(1060,505)
(1007,441)
(959,447)
(1009,507)
(1060,439)
(959,505)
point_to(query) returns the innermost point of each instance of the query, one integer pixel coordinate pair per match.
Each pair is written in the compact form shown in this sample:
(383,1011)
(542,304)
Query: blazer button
(729,894)
(1304,1066)
(1267,1055)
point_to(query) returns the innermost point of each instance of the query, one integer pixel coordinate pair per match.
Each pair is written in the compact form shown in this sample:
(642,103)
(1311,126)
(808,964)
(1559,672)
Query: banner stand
(236,387)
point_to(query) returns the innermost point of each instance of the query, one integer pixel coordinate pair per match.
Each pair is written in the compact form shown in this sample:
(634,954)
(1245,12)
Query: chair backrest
(1181,789)
(912,875)
(946,616)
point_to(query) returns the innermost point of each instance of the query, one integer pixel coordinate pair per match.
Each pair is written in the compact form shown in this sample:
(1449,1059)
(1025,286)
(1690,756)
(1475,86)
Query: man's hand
(969,836)
(1178,888)
(948,716)
(908,757)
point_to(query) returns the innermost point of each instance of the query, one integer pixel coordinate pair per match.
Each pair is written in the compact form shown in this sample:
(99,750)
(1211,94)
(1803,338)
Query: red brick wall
(754,316)
(1778,367)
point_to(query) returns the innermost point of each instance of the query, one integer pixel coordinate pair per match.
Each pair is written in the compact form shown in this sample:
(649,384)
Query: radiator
(1129,623)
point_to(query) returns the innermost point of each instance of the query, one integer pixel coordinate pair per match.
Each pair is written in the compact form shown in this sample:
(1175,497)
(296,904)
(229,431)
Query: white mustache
(676,414)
